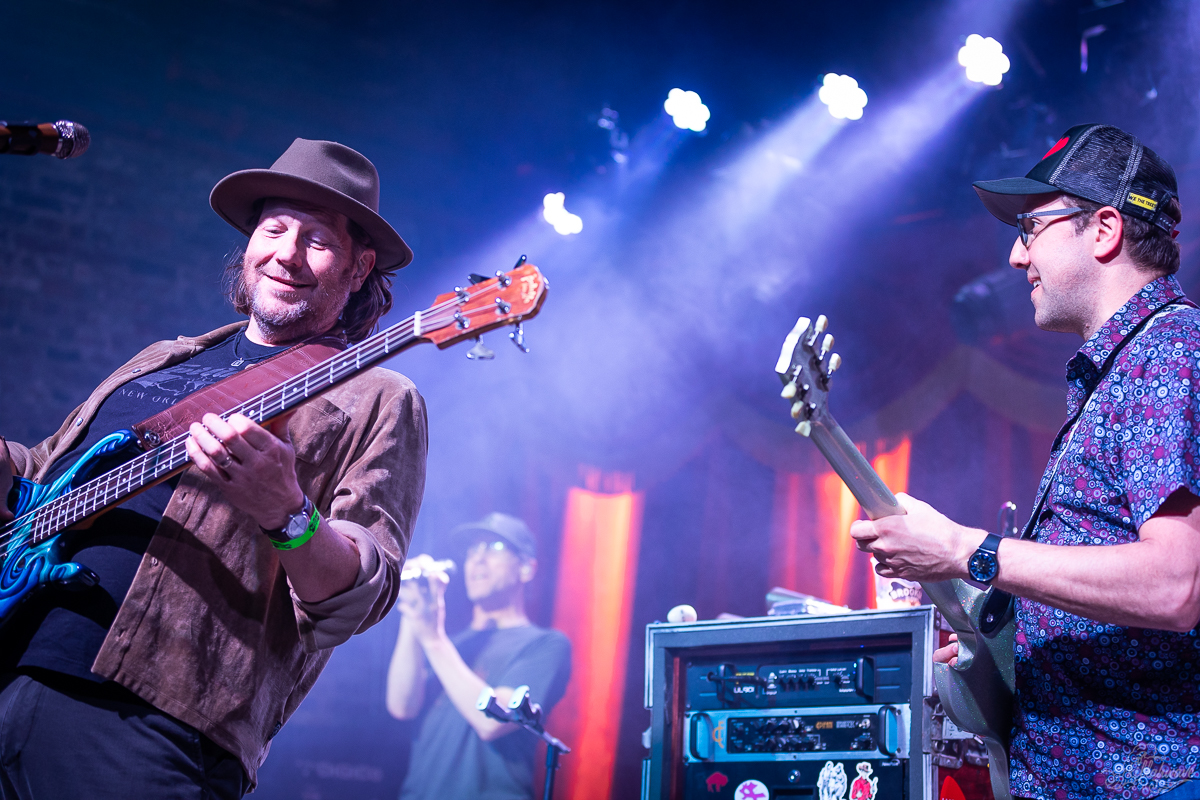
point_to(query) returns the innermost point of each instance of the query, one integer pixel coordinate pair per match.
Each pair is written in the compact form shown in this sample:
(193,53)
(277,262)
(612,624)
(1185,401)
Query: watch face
(982,566)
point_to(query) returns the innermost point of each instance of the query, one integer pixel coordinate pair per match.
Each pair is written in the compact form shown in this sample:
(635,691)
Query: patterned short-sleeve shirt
(1104,710)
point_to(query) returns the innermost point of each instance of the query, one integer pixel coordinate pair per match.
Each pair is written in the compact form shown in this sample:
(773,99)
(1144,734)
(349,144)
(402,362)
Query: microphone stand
(528,715)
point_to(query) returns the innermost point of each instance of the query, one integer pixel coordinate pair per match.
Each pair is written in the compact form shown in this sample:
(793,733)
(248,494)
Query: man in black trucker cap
(209,604)
(459,751)
(1106,575)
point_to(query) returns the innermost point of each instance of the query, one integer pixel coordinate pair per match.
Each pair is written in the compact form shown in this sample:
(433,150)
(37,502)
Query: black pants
(66,738)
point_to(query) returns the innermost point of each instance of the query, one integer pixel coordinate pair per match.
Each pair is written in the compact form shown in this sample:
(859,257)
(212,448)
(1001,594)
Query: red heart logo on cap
(1059,145)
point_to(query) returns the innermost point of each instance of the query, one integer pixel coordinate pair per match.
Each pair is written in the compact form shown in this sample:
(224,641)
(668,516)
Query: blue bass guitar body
(31,544)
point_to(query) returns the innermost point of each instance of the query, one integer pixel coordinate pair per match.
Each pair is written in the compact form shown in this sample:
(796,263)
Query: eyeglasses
(484,547)
(1025,223)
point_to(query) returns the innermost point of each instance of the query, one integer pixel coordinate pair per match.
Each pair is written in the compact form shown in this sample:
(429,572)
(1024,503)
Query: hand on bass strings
(920,545)
(422,602)
(254,468)
(6,471)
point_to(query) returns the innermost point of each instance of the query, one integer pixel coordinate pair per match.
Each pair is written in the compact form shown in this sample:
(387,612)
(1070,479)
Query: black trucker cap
(503,526)
(1100,163)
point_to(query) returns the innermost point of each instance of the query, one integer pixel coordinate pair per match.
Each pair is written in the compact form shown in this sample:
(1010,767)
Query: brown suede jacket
(210,631)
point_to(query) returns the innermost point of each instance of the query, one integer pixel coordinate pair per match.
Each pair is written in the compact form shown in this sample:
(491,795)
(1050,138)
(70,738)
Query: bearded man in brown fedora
(220,594)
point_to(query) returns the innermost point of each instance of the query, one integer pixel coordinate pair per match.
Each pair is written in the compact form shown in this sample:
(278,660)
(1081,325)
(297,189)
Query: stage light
(984,59)
(843,96)
(556,214)
(686,110)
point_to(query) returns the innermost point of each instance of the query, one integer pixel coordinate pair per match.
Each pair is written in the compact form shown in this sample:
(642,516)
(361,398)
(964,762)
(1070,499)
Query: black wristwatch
(983,565)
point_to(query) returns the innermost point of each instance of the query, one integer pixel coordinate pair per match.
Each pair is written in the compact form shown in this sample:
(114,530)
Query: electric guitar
(977,692)
(126,462)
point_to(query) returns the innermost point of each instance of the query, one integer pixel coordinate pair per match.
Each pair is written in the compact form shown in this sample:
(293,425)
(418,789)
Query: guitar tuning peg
(518,337)
(475,278)
(826,345)
(804,428)
(817,329)
(789,391)
(481,352)
(835,361)
(798,409)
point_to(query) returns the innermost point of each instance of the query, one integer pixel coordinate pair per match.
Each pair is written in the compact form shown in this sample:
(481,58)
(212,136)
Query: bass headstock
(805,365)
(486,304)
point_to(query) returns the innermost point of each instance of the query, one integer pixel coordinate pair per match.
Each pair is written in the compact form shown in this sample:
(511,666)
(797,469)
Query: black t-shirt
(63,630)
(449,760)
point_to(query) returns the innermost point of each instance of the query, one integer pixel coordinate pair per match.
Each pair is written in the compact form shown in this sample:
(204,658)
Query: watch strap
(991,543)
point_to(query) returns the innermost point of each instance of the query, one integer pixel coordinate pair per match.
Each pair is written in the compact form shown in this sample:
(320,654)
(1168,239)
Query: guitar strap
(1139,329)
(998,606)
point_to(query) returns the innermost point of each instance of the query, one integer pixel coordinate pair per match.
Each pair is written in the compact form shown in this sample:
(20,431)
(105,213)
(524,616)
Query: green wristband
(314,522)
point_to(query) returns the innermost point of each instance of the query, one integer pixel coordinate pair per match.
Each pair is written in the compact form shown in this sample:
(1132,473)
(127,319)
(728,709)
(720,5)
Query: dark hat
(1100,163)
(324,174)
(512,530)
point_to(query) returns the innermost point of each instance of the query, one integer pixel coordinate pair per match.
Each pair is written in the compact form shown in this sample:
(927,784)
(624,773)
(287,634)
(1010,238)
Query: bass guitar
(977,692)
(126,462)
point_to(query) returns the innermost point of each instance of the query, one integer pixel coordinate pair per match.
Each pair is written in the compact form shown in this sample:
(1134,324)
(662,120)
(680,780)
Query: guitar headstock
(805,365)
(507,299)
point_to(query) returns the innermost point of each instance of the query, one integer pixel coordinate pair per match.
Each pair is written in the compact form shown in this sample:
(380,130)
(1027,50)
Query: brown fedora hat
(324,174)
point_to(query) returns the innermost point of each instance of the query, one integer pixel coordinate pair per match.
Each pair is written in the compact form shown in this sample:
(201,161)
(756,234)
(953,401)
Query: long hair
(360,316)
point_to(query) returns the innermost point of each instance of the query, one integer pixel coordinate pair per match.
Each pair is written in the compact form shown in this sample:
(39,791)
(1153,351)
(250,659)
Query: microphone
(62,139)
(423,569)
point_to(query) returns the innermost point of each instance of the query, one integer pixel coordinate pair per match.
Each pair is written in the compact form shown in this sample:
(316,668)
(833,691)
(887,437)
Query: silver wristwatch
(296,527)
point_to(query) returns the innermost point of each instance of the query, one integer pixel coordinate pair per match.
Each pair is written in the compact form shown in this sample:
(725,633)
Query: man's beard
(296,320)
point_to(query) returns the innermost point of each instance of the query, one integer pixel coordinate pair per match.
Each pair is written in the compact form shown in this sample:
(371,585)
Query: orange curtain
(892,466)
(593,607)
(836,509)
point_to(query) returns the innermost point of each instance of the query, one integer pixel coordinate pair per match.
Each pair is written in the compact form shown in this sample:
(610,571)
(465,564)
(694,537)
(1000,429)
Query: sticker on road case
(832,782)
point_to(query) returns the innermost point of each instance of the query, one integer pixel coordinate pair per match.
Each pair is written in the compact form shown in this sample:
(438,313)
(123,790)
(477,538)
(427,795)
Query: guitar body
(977,692)
(32,563)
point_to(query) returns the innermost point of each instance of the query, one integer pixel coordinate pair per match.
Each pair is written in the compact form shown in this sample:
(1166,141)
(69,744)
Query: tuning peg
(481,352)
(475,278)
(804,428)
(789,391)
(835,361)
(826,345)
(818,328)
(503,279)
(798,409)
(518,337)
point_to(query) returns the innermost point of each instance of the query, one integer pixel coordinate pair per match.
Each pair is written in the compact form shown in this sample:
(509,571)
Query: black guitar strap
(1069,430)
(997,606)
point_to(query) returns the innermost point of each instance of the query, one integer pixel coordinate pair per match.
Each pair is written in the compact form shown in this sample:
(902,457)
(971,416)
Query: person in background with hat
(222,592)
(1107,573)
(458,750)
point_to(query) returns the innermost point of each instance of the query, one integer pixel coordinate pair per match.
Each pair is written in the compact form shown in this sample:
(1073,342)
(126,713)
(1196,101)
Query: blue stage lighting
(843,96)
(686,110)
(554,212)
(984,59)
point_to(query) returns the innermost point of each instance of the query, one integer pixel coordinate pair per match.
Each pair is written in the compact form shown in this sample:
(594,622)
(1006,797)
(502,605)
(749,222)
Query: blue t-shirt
(449,760)
(63,630)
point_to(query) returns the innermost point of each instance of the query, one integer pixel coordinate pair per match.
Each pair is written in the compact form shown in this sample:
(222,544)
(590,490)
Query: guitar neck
(850,465)
(171,457)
